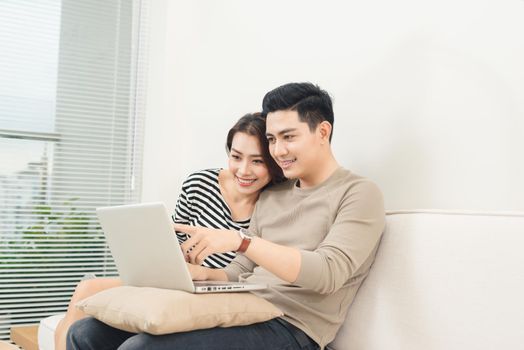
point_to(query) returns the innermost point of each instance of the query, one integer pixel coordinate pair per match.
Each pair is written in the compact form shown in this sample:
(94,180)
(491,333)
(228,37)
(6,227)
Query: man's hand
(206,241)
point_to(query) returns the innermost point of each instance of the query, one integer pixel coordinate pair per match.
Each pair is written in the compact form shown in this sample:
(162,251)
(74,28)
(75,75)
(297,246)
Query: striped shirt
(201,204)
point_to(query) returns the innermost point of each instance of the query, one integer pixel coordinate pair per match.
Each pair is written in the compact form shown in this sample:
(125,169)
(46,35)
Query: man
(312,239)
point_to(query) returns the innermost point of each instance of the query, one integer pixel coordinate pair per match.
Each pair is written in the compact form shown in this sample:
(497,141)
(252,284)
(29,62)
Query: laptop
(147,253)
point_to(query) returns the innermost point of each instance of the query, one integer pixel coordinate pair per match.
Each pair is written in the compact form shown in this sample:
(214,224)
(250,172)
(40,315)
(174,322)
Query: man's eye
(234,156)
(270,140)
(288,137)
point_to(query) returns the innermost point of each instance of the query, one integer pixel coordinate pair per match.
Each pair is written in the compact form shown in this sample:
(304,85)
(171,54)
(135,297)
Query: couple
(312,238)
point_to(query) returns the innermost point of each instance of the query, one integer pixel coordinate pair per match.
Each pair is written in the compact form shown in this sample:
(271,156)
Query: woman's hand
(198,273)
(201,273)
(206,241)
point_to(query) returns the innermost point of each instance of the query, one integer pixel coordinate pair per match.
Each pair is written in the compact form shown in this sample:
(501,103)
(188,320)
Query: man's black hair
(312,104)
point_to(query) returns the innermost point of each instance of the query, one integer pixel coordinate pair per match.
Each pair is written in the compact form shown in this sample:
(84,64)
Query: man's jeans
(276,334)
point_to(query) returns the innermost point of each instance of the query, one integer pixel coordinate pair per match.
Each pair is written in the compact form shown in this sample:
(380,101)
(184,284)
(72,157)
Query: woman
(218,198)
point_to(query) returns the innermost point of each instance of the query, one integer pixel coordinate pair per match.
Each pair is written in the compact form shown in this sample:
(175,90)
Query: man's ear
(324,130)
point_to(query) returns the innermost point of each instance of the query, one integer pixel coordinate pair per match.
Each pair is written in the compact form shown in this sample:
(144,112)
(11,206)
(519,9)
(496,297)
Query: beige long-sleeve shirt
(337,227)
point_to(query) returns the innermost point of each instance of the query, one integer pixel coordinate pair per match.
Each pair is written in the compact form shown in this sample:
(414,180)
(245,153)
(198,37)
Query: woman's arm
(201,273)
(183,210)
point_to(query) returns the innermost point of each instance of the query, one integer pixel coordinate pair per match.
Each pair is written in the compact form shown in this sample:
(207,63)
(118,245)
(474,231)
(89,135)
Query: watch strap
(246,241)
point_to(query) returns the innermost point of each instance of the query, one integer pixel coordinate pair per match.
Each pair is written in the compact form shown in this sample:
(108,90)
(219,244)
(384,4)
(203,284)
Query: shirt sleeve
(349,247)
(182,211)
(241,264)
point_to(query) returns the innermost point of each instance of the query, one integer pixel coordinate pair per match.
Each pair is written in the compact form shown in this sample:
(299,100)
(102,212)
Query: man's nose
(279,149)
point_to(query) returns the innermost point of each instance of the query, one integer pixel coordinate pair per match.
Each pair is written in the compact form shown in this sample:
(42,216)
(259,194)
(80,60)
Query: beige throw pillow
(163,311)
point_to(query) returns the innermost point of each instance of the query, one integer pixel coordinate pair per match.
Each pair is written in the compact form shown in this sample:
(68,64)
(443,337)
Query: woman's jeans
(276,334)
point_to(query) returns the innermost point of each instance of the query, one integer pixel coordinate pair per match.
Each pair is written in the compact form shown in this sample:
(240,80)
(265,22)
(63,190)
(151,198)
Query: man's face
(295,148)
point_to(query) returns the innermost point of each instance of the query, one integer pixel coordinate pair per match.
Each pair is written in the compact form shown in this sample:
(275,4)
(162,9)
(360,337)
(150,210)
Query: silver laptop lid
(145,247)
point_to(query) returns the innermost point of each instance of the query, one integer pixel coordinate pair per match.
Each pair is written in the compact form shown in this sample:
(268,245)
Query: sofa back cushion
(442,281)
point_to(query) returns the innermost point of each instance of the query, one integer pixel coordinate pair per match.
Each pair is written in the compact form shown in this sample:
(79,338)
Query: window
(71,133)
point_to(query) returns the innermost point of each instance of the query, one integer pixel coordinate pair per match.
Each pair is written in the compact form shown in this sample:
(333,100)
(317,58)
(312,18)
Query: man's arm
(347,246)
(348,249)
(282,261)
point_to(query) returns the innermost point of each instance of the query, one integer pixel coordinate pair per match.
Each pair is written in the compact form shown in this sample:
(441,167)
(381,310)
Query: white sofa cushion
(442,281)
(46,332)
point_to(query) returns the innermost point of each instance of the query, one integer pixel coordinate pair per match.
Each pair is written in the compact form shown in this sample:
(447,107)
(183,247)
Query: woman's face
(249,171)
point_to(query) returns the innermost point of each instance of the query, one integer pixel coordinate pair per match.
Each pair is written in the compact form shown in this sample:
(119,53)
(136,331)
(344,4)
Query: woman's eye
(234,156)
(258,161)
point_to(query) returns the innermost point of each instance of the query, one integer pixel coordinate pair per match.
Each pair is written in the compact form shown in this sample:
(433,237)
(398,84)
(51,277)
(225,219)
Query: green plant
(60,229)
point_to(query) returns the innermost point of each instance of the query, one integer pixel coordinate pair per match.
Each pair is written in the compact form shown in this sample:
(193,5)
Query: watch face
(245,232)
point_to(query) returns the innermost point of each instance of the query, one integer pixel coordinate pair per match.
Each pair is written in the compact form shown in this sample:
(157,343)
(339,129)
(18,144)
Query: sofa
(441,280)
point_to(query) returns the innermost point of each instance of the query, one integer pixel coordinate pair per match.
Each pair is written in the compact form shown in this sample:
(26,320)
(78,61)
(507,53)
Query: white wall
(428,95)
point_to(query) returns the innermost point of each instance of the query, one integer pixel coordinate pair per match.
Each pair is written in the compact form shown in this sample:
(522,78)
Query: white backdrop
(428,95)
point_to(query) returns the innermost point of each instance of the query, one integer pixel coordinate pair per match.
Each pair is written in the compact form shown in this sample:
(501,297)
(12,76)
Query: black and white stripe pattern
(201,204)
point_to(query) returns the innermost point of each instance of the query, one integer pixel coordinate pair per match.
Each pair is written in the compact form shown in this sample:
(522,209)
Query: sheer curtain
(72,102)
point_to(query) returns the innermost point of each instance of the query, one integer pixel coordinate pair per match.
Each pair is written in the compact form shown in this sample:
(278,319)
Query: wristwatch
(246,240)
